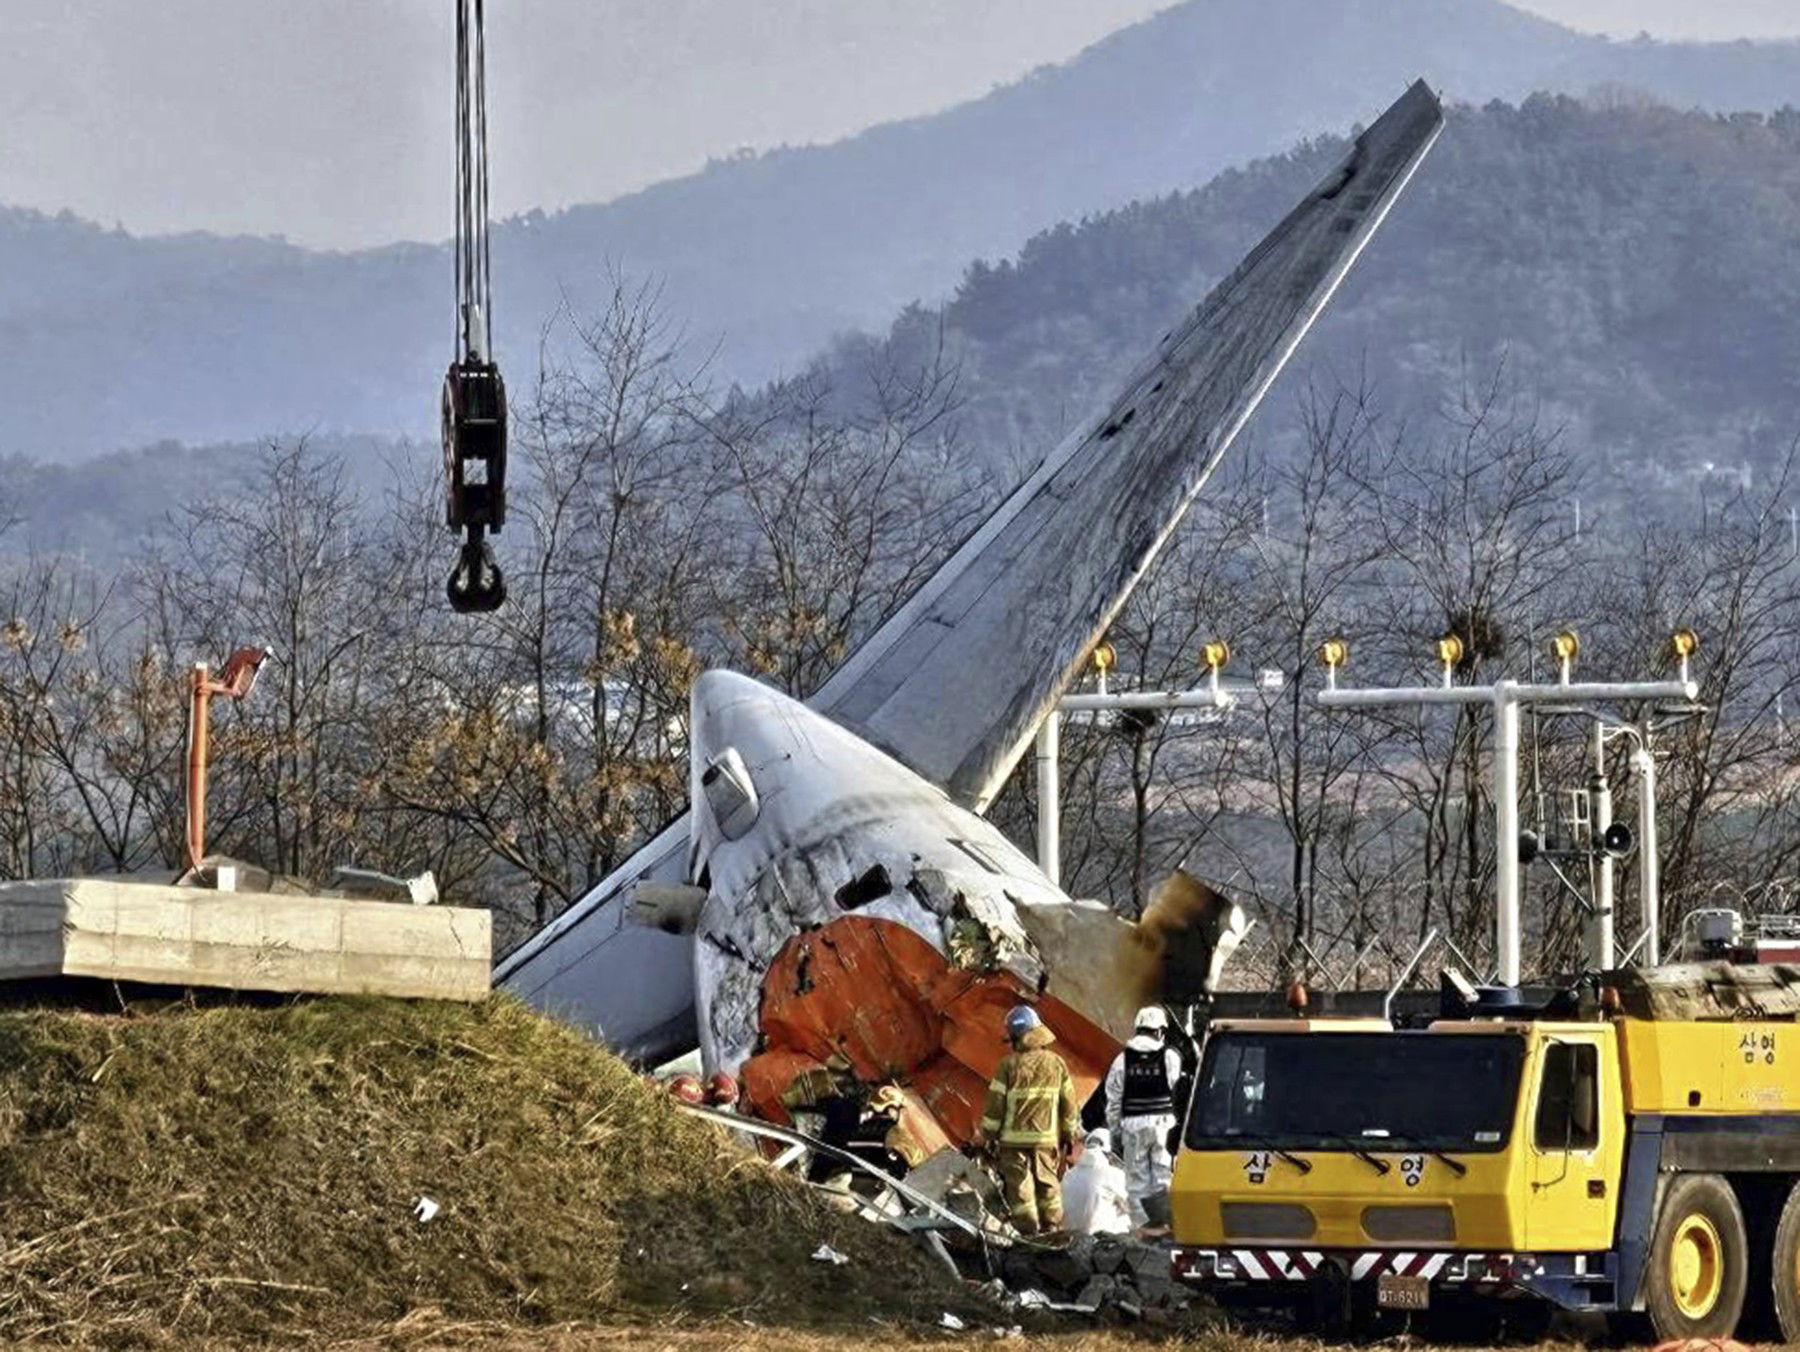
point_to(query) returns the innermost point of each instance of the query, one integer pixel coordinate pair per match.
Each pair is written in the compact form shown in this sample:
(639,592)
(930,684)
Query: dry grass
(424,1336)
(242,1173)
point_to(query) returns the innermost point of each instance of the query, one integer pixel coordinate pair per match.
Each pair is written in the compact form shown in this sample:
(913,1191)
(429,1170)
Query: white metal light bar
(1506,698)
(1217,693)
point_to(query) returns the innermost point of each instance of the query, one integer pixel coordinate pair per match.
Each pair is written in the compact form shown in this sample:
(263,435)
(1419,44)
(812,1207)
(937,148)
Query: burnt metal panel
(1708,991)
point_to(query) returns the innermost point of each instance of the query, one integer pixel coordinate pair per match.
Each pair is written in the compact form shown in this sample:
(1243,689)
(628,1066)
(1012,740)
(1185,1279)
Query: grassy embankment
(189,1176)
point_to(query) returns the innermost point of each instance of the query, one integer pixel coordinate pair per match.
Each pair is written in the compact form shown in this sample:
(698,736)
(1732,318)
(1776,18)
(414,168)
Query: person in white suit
(1140,1113)
(1094,1195)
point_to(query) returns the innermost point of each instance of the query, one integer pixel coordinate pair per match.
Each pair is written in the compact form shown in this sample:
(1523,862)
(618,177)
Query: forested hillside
(1632,270)
(127,341)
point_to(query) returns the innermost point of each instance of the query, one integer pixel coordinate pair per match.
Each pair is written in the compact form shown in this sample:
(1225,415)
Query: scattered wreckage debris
(874,1194)
(952,1207)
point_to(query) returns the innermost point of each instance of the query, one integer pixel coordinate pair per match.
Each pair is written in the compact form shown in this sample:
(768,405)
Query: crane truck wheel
(1699,1261)
(1784,1268)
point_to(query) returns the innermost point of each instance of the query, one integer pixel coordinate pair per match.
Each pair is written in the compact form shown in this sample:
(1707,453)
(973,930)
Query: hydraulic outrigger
(474,403)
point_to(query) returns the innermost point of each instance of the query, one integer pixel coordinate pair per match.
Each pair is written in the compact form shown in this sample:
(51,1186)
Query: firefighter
(1030,1123)
(826,1101)
(1140,1112)
(884,1137)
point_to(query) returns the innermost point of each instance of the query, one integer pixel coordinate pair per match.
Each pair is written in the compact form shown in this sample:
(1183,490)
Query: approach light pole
(1216,693)
(1506,698)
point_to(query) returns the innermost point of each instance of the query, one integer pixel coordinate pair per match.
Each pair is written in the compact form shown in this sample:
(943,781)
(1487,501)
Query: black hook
(475,583)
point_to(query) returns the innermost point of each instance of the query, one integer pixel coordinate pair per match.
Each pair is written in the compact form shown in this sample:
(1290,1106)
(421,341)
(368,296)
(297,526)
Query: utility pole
(1643,765)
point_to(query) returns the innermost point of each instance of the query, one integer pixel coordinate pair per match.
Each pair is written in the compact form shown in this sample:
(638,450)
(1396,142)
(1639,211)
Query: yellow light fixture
(1566,646)
(1105,657)
(1684,643)
(1450,650)
(1334,652)
(1215,654)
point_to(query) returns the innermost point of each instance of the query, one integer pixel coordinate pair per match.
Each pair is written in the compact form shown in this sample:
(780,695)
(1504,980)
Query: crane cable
(474,292)
(474,398)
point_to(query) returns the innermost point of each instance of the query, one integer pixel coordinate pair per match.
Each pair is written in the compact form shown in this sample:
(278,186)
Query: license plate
(1395,1292)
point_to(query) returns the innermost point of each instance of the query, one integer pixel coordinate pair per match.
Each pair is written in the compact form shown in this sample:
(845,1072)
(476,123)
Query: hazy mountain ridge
(1630,269)
(100,510)
(135,340)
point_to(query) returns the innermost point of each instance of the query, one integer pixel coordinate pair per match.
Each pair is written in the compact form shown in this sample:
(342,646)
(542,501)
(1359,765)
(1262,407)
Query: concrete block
(178,936)
(1147,1261)
(1109,1255)
(1098,1292)
(1062,1271)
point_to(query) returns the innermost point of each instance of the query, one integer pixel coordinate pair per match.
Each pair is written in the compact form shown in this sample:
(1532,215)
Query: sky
(328,121)
(1697,20)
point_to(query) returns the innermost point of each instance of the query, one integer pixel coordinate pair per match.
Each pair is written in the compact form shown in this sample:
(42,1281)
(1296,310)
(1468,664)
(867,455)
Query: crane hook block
(475,446)
(475,480)
(475,583)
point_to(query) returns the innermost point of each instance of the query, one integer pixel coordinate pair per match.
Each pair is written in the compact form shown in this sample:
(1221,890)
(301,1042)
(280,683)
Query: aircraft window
(859,892)
(979,855)
(1568,1111)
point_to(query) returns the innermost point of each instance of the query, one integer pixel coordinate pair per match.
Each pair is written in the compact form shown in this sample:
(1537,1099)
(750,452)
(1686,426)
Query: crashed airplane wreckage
(833,888)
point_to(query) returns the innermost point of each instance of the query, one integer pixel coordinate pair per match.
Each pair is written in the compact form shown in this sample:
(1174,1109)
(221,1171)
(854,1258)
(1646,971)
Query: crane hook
(475,584)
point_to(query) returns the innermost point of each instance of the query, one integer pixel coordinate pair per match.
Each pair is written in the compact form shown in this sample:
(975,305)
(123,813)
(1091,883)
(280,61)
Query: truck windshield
(1356,1091)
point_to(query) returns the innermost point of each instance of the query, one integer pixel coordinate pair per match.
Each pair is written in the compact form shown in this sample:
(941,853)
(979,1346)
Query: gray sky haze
(1694,20)
(328,121)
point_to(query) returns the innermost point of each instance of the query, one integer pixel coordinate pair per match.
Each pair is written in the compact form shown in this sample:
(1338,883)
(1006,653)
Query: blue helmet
(1021,1021)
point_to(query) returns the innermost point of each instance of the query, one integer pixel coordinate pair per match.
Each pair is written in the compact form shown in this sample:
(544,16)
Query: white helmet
(1151,1019)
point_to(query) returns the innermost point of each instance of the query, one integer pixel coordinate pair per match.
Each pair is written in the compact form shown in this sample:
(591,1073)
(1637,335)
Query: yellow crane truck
(1632,1149)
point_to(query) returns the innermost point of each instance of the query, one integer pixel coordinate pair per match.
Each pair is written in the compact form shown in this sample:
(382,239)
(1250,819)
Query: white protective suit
(1143,1140)
(1094,1195)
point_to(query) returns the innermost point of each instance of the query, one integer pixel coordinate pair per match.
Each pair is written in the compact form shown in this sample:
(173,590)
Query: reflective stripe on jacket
(1031,1101)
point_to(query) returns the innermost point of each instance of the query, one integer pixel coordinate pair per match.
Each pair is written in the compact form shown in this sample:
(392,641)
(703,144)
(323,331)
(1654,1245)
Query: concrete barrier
(181,936)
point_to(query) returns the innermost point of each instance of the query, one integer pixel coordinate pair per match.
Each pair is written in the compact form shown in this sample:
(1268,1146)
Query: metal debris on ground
(1100,1276)
(424,1209)
(1106,1277)
(826,1254)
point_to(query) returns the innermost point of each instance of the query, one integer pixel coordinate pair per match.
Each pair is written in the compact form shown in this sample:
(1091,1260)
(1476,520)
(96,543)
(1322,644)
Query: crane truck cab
(1634,1152)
